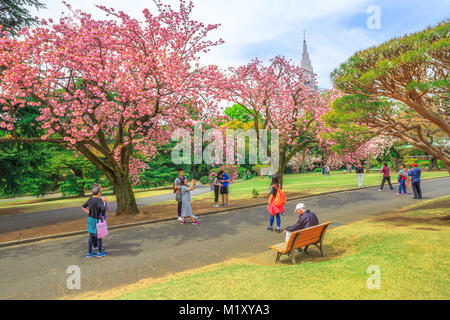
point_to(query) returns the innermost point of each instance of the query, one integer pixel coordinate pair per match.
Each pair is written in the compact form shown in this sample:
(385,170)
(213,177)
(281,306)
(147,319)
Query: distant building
(306,65)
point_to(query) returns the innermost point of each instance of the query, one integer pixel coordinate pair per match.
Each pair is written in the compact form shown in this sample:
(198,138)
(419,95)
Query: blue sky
(267,28)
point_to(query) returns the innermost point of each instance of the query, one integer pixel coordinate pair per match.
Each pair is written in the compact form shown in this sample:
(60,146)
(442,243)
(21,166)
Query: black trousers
(180,206)
(417,190)
(94,242)
(388,179)
(216,194)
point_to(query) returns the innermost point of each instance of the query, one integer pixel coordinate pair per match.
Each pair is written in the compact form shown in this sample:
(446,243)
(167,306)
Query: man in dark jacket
(306,219)
(415,181)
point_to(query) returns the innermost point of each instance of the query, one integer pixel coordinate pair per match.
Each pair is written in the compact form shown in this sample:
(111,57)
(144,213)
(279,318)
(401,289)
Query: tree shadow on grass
(404,221)
(444,204)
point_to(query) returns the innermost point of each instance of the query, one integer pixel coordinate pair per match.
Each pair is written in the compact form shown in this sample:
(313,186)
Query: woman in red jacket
(274,211)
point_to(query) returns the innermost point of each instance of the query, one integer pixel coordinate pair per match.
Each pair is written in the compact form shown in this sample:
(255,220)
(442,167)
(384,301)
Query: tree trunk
(434,164)
(119,178)
(283,163)
(126,202)
(79,174)
(397,160)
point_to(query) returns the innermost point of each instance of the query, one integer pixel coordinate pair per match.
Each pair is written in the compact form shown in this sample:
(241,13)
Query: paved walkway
(44,218)
(38,270)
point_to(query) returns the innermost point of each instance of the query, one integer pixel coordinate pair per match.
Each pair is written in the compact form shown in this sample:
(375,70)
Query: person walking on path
(349,168)
(402,178)
(386,177)
(306,219)
(360,173)
(187,208)
(415,174)
(179,181)
(216,185)
(224,189)
(95,208)
(274,210)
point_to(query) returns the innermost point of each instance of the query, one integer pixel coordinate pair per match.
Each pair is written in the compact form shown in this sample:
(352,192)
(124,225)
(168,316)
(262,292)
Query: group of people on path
(405,179)
(326,170)
(403,176)
(182,190)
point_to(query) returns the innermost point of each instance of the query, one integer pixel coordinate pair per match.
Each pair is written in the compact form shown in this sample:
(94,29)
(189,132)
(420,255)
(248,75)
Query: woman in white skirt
(186,200)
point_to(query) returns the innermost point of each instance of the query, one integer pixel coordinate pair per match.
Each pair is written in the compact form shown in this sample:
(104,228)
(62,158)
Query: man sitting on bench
(306,219)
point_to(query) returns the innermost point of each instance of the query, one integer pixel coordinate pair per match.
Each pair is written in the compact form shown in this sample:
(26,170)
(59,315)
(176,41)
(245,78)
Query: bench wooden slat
(306,237)
(308,234)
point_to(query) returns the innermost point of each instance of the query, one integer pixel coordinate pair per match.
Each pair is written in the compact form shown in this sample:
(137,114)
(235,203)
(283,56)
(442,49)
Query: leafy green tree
(15,14)
(238,112)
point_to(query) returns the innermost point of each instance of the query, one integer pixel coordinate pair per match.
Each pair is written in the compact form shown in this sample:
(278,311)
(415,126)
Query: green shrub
(425,164)
(258,168)
(204,180)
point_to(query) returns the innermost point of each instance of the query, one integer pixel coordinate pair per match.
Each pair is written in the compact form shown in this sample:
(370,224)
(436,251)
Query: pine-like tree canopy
(15,14)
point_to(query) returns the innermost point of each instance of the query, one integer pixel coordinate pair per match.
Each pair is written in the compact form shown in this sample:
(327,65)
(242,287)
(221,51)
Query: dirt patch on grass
(149,213)
(10,211)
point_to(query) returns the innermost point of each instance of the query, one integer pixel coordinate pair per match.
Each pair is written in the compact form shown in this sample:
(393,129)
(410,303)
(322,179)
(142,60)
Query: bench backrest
(305,237)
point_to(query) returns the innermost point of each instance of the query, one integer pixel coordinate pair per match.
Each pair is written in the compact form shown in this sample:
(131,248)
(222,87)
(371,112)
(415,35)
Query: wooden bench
(303,238)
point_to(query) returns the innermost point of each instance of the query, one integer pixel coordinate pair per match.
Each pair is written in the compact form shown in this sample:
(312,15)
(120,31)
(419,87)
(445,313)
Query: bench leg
(320,248)
(292,256)
(306,250)
(278,257)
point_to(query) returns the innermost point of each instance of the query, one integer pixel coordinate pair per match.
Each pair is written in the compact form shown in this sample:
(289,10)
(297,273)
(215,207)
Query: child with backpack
(277,200)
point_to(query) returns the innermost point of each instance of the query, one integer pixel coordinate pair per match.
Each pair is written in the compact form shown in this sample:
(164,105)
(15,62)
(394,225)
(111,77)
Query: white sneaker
(180,219)
(216,206)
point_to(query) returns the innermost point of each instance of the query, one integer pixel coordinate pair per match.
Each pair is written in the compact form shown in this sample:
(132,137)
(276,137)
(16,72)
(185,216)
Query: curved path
(44,218)
(38,270)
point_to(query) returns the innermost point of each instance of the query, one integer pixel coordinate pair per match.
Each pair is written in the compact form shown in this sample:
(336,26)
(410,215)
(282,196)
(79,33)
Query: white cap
(300,206)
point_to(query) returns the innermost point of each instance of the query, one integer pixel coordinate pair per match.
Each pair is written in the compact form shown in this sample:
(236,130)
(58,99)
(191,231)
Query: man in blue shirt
(415,181)
(224,189)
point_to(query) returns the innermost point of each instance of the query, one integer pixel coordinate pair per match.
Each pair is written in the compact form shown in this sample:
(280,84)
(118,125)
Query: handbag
(102,229)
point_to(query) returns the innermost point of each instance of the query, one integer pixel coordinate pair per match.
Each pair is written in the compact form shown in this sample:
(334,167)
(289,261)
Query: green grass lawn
(36,205)
(409,246)
(313,183)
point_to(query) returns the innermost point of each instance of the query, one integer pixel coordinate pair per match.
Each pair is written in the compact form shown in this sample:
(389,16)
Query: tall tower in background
(306,65)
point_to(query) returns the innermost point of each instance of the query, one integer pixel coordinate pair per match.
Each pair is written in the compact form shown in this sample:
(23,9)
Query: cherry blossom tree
(113,90)
(278,96)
